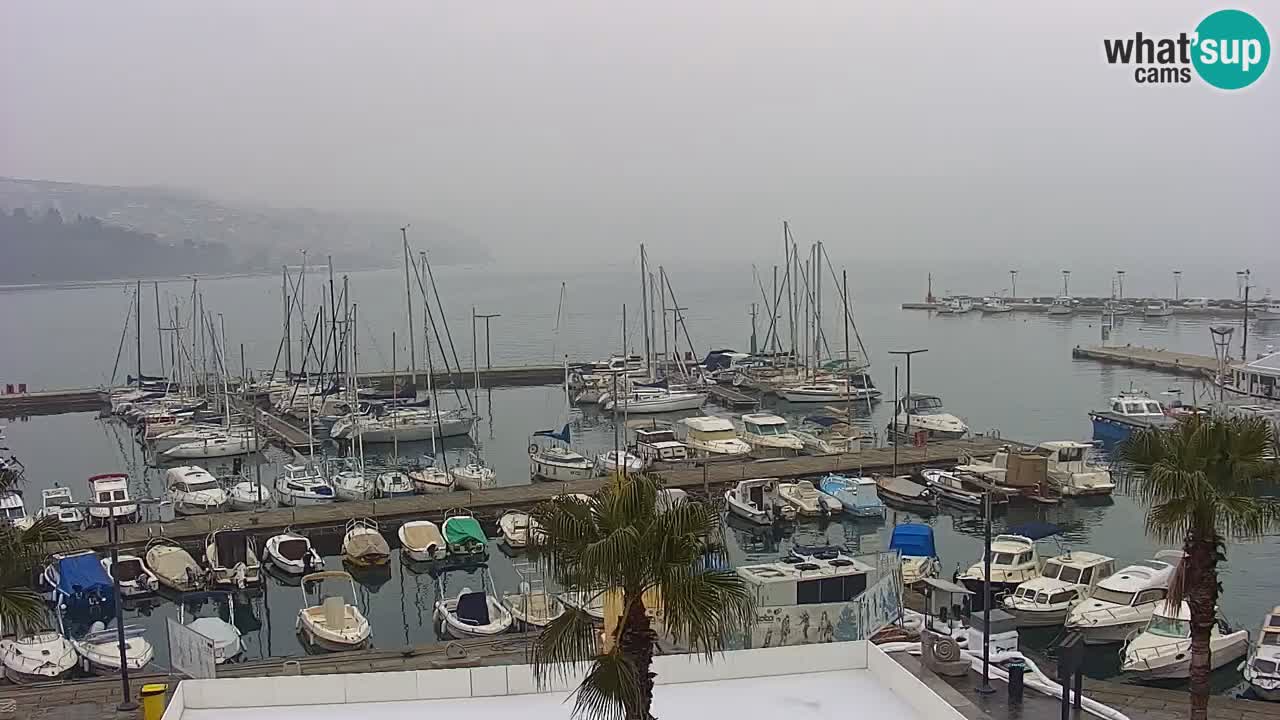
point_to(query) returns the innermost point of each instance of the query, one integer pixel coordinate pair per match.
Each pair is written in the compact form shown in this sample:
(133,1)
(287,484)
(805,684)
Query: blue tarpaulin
(562,436)
(913,539)
(1035,530)
(82,583)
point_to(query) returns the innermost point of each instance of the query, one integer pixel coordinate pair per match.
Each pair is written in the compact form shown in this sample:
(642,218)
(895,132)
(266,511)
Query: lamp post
(1177,281)
(1120,280)
(985,688)
(906,402)
(1066,276)
(1013,284)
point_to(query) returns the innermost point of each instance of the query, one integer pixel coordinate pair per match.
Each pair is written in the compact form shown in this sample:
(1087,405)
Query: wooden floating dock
(488,505)
(732,399)
(1167,361)
(52,402)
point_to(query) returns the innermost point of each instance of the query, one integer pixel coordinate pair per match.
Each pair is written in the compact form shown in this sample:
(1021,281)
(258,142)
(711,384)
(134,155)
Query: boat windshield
(56,500)
(1070,454)
(13,513)
(927,406)
(1169,627)
(1051,570)
(201,485)
(714,435)
(1270,638)
(1153,408)
(766,430)
(1002,558)
(1112,596)
(1264,666)
(1070,574)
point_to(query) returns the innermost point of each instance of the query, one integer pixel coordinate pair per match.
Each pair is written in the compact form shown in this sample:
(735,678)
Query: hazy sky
(904,130)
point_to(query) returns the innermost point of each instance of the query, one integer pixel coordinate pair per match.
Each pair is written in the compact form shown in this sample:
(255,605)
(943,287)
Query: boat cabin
(1260,378)
(801,580)
(1137,407)
(190,479)
(917,404)
(109,488)
(708,429)
(1266,658)
(660,444)
(1065,579)
(1143,583)
(764,424)
(12,510)
(1014,560)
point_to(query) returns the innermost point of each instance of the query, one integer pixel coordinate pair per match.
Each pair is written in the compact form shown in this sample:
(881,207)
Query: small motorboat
(245,494)
(590,602)
(331,623)
(232,558)
(902,491)
(474,475)
(394,483)
(1072,471)
(430,480)
(472,613)
(808,500)
(55,502)
(1014,560)
(132,575)
(111,488)
(1262,669)
(293,553)
(226,640)
(465,538)
(1045,601)
(363,544)
(825,435)
(1163,649)
(758,501)
(421,541)
(39,657)
(1124,602)
(300,485)
(960,488)
(711,437)
(193,491)
(78,585)
(1157,309)
(173,566)
(532,609)
(914,543)
(100,649)
(349,480)
(856,494)
(618,461)
(994,306)
(516,527)
(923,414)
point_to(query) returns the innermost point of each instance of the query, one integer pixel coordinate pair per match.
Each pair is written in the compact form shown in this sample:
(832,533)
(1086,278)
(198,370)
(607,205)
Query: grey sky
(888,129)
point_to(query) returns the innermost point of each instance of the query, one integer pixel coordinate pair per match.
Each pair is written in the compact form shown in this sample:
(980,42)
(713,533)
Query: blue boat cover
(82,575)
(562,436)
(913,539)
(1035,530)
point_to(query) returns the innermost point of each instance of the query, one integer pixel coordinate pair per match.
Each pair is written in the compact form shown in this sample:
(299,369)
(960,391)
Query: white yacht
(100,649)
(769,436)
(43,656)
(758,501)
(558,463)
(654,400)
(659,445)
(1014,560)
(1123,602)
(332,623)
(13,511)
(300,485)
(246,494)
(222,443)
(429,479)
(1071,470)
(1062,306)
(394,483)
(193,491)
(711,437)
(56,501)
(1262,670)
(1045,600)
(825,435)
(111,487)
(618,461)
(924,413)
(807,499)
(474,475)
(404,425)
(1268,309)
(816,393)
(1163,649)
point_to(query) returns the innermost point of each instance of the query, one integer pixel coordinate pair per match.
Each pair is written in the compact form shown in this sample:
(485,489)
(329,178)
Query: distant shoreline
(108,282)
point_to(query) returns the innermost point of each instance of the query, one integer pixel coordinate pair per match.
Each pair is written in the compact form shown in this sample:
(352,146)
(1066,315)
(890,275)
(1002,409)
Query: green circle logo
(1232,49)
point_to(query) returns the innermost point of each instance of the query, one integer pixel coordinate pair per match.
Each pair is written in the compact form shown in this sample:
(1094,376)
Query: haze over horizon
(985,132)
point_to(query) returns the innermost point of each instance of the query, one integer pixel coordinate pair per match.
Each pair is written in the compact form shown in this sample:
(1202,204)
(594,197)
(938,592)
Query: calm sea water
(1012,373)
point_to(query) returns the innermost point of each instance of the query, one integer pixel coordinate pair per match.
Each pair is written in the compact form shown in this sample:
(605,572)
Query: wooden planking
(731,398)
(1150,358)
(52,402)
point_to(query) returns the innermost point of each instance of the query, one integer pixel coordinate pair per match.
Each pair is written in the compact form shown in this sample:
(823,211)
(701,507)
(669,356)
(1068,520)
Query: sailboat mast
(817,309)
(159,329)
(644,310)
(302,314)
(408,299)
(662,276)
(284,296)
(138,326)
(395,440)
(848,364)
(355,382)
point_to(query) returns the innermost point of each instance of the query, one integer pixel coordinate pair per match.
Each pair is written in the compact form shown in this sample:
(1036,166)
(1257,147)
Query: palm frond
(565,644)
(22,608)
(703,608)
(611,690)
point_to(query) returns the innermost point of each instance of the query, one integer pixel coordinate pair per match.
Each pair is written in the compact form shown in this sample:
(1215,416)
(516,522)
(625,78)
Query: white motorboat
(1268,309)
(1157,309)
(349,480)
(1116,308)
(1062,306)
(421,541)
(1262,669)
(293,553)
(132,574)
(100,649)
(824,435)
(557,463)
(472,613)
(808,500)
(301,485)
(13,511)
(40,657)
(758,501)
(394,483)
(659,444)
(193,491)
(245,494)
(1163,649)
(173,566)
(618,461)
(917,413)
(111,488)
(232,557)
(430,479)
(857,494)
(955,306)
(55,502)
(652,400)
(1044,601)
(363,544)
(1124,602)
(960,488)
(332,623)
(994,306)
(769,436)
(225,443)
(227,644)
(819,393)
(531,608)
(1071,470)
(516,528)
(474,475)
(711,437)
(1014,560)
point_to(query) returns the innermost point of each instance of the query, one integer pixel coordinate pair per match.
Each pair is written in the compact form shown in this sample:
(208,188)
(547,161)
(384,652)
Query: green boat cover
(463,534)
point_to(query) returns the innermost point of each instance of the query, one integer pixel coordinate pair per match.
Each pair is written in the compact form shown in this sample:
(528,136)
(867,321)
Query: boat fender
(533,449)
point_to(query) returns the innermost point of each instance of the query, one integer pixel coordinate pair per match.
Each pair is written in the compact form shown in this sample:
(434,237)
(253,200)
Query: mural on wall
(859,619)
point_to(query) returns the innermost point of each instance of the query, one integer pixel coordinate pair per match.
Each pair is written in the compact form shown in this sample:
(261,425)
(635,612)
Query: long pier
(52,402)
(488,505)
(1095,306)
(1176,363)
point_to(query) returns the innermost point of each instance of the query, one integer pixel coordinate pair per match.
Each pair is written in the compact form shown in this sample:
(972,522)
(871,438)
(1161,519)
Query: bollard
(1017,671)
(153,700)
(291,667)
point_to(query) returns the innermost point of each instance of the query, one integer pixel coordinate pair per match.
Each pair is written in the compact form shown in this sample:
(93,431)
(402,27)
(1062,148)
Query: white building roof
(1266,365)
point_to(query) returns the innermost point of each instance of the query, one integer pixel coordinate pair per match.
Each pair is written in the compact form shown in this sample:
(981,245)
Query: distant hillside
(256,237)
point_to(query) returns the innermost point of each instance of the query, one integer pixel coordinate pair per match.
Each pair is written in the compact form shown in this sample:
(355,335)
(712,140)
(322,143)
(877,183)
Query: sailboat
(558,462)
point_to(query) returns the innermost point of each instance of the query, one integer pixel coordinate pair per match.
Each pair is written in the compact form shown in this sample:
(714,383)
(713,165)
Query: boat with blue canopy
(914,542)
(79,586)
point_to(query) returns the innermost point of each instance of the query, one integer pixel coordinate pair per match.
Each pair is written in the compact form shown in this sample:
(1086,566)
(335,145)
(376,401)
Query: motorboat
(78,585)
(232,557)
(557,463)
(1268,309)
(1163,649)
(111,488)
(516,528)
(656,400)
(914,543)
(55,502)
(668,498)
(430,480)
(173,566)
(816,393)
(1116,308)
(1197,303)
(588,601)
(36,658)
(293,553)
(246,494)
(99,650)
(363,544)
(394,483)
(1262,669)
(225,443)
(132,574)
(659,445)
(960,488)
(421,541)
(226,638)
(349,480)
(955,306)
(808,500)
(1127,412)
(474,475)
(464,538)
(13,511)
(332,623)
(1157,309)
(857,494)
(769,436)
(472,613)
(758,501)
(901,491)
(1071,470)
(1014,560)
(193,491)
(918,413)
(1061,306)
(1124,602)
(711,437)
(825,435)
(301,485)
(532,609)
(994,306)
(1044,601)
(613,462)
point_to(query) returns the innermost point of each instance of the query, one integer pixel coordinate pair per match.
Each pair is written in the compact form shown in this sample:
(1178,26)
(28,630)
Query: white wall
(908,687)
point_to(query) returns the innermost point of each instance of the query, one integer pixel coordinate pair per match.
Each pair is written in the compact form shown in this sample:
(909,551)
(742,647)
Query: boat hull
(1037,618)
(555,472)
(1109,634)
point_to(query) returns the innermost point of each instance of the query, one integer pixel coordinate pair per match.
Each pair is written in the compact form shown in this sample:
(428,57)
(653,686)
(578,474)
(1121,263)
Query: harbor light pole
(985,688)
(1013,284)
(1066,276)
(1177,279)
(1120,279)
(906,401)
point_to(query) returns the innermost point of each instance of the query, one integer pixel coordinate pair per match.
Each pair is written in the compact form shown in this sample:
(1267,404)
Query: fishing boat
(613,462)
(808,500)
(36,658)
(332,623)
(232,557)
(857,494)
(1262,669)
(758,501)
(960,488)
(1127,412)
(902,491)
(516,528)
(421,541)
(769,436)
(711,437)
(558,463)
(955,306)
(1124,602)
(349,480)
(193,491)
(1045,600)
(1163,649)
(131,574)
(472,613)
(1014,560)
(246,494)
(474,475)
(1071,470)
(302,485)
(99,650)
(55,502)
(1061,306)
(918,413)
(111,488)
(173,566)
(914,543)
(994,306)
(464,538)
(292,553)
(1157,309)
(363,544)
(226,639)
(394,483)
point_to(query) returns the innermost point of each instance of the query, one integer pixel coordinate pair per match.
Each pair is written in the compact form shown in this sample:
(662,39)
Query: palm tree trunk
(636,643)
(1201,586)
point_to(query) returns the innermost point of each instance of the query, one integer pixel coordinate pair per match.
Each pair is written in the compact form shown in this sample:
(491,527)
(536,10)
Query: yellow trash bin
(153,701)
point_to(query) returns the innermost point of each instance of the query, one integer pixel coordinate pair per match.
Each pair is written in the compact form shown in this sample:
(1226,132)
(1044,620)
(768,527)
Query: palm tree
(1202,480)
(22,550)
(620,542)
